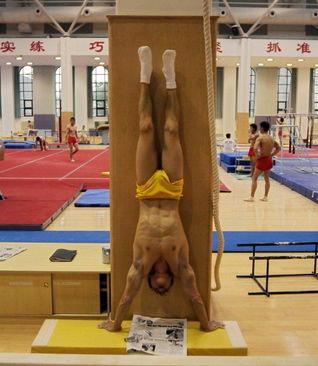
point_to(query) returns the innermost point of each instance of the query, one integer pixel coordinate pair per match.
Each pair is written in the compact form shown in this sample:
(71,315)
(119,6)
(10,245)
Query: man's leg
(76,148)
(146,155)
(172,156)
(256,174)
(71,151)
(267,185)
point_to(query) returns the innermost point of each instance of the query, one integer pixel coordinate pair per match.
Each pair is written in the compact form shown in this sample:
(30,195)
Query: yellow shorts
(159,186)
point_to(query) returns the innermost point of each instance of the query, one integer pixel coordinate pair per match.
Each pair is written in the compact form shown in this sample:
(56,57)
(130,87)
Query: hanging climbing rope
(212,130)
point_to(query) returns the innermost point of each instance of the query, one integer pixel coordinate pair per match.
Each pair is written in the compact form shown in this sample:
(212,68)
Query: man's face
(72,122)
(161,277)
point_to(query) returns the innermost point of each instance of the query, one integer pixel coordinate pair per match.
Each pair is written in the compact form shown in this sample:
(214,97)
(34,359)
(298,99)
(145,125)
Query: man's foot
(168,59)
(109,325)
(213,325)
(251,199)
(145,58)
(264,199)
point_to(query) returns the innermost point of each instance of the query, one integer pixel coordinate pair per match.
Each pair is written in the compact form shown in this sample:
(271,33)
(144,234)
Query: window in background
(315,91)
(251,106)
(100,91)
(26,91)
(284,90)
(58,97)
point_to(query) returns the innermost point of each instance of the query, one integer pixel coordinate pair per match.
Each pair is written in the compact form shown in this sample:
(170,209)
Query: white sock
(145,58)
(168,70)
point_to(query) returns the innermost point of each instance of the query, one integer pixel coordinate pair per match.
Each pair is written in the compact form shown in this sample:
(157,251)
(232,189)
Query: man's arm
(189,285)
(133,282)
(257,146)
(277,148)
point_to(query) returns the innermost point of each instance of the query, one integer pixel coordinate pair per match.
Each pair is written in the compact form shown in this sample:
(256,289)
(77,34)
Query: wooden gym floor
(284,325)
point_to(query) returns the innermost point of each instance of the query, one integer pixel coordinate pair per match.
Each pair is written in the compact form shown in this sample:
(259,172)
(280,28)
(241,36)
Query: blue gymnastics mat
(76,237)
(232,238)
(15,144)
(306,184)
(94,198)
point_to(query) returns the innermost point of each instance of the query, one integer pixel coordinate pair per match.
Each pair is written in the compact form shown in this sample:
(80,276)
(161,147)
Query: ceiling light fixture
(270,59)
(260,64)
(18,58)
(97,58)
(8,63)
(58,57)
(238,64)
(102,63)
(300,60)
(29,63)
(289,65)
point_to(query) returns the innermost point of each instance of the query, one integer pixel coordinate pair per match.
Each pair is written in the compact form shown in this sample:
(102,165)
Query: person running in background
(72,138)
(265,148)
(40,141)
(228,144)
(251,139)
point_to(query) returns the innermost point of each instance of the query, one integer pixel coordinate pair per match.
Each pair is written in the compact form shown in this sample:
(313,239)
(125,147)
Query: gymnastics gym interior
(69,220)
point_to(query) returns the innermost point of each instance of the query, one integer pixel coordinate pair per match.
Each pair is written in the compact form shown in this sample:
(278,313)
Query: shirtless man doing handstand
(160,248)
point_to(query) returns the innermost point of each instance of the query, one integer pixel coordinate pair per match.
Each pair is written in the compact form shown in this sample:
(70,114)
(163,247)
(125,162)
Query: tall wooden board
(185,35)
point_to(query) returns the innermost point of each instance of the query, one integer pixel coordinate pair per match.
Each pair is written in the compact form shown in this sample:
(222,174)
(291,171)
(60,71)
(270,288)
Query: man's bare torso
(71,130)
(266,145)
(160,235)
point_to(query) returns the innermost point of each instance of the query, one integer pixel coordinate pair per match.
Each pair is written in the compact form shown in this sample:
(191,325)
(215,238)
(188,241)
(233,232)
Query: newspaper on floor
(158,336)
(8,252)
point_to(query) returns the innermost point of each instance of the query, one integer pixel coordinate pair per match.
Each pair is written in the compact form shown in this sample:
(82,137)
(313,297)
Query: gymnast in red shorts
(72,138)
(265,148)
(251,139)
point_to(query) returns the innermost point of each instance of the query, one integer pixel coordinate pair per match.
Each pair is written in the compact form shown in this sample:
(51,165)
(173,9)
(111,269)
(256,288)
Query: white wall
(7,100)
(266,91)
(229,100)
(81,96)
(44,89)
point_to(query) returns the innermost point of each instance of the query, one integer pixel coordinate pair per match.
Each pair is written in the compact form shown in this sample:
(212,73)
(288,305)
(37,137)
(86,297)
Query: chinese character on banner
(303,47)
(273,47)
(37,46)
(7,46)
(218,47)
(98,46)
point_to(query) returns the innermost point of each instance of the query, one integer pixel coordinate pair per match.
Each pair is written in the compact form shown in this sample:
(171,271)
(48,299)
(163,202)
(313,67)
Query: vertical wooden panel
(242,124)
(185,35)
(76,293)
(65,120)
(25,294)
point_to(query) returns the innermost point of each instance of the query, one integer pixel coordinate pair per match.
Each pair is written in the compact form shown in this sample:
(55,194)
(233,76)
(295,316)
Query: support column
(266,91)
(229,100)
(44,89)
(67,83)
(7,100)
(242,117)
(303,96)
(81,96)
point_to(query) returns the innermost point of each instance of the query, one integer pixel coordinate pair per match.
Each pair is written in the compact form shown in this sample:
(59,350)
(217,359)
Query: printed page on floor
(158,336)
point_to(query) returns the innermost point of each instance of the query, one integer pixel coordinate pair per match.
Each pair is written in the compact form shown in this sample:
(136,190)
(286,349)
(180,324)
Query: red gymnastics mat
(54,165)
(38,185)
(33,205)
